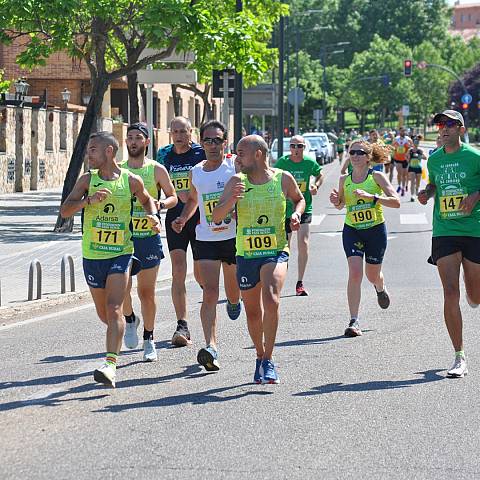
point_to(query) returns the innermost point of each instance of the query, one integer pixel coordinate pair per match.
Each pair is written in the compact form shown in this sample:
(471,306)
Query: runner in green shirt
(303,168)
(454,182)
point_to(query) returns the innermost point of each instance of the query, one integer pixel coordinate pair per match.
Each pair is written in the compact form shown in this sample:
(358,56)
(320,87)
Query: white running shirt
(210,186)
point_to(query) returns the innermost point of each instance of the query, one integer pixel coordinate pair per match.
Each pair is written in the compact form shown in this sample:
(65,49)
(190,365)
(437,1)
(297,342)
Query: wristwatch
(375,199)
(162,205)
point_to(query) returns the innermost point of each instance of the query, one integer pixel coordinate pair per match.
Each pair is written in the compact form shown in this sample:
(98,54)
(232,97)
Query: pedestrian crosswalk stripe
(317,219)
(413,219)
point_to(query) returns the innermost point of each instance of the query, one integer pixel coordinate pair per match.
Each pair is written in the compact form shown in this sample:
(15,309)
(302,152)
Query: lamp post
(323,58)
(66,94)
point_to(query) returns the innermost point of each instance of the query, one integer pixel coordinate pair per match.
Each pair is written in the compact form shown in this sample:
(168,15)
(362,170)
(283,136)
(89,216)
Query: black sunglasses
(213,141)
(297,145)
(358,152)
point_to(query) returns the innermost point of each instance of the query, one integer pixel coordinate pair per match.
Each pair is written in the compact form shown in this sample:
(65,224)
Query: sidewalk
(26,233)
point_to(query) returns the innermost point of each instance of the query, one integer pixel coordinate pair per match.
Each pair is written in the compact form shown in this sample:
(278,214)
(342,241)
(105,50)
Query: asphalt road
(378,406)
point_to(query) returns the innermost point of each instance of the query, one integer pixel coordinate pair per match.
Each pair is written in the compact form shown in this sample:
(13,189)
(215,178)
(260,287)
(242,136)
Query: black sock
(147,334)
(299,283)
(183,323)
(130,318)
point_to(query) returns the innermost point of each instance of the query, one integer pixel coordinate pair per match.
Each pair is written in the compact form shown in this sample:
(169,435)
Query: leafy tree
(111,35)
(4,84)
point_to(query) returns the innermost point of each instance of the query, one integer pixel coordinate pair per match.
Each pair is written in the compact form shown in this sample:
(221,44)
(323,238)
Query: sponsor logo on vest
(262,219)
(109,208)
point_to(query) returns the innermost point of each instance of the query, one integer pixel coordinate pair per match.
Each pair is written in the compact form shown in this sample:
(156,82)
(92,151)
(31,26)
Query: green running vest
(261,219)
(106,225)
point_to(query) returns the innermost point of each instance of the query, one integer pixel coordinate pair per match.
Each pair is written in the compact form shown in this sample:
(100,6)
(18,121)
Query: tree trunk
(89,125)
(207,107)
(176,100)
(133,98)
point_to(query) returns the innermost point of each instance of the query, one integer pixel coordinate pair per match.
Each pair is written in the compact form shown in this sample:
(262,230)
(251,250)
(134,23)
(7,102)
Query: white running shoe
(130,337)
(459,368)
(149,351)
(105,374)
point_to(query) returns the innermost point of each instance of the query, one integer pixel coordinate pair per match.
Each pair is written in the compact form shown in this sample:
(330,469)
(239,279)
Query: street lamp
(66,94)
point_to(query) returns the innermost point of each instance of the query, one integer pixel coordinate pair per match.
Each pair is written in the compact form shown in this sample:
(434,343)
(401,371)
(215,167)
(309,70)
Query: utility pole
(238,99)
(281,51)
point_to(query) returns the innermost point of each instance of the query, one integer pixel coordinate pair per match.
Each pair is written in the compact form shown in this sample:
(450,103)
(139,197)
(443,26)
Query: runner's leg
(230,283)
(272,278)
(449,271)
(210,273)
(303,237)
(355,276)
(179,274)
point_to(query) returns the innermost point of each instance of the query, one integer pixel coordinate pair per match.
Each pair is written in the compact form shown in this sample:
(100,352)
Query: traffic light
(407,68)
(286,131)
(464,106)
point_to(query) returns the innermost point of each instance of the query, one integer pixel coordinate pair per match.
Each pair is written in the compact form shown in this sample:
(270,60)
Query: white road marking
(414,219)
(318,219)
(60,313)
(330,234)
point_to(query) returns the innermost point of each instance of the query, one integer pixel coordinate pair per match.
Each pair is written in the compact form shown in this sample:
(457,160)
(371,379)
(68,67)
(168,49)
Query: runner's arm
(343,170)
(390,197)
(293,193)
(336,196)
(426,193)
(191,204)
(164,183)
(138,189)
(77,198)
(232,192)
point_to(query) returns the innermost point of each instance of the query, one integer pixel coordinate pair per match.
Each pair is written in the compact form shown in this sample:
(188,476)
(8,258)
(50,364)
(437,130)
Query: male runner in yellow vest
(105,194)
(260,195)
(146,242)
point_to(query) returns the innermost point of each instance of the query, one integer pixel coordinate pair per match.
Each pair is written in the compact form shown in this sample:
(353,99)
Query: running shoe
(258,375)
(406,188)
(105,374)
(402,192)
(208,358)
(412,198)
(383,298)
(300,290)
(269,372)
(353,329)
(181,336)
(234,310)
(149,351)
(399,188)
(130,337)
(459,368)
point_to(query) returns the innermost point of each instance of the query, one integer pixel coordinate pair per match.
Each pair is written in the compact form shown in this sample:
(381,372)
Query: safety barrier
(35,267)
(67,258)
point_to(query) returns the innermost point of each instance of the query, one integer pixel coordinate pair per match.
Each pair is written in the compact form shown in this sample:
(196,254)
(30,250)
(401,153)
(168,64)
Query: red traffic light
(464,106)
(407,68)
(286,131)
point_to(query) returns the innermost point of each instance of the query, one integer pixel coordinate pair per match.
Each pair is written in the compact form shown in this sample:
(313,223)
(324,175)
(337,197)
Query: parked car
(286,149)
(324,146)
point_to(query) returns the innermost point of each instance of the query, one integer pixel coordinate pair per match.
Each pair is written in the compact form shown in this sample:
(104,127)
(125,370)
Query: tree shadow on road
(427,377)
(196,398)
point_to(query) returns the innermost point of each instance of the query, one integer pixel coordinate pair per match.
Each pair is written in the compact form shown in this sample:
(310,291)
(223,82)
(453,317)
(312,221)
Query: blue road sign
(466,98)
